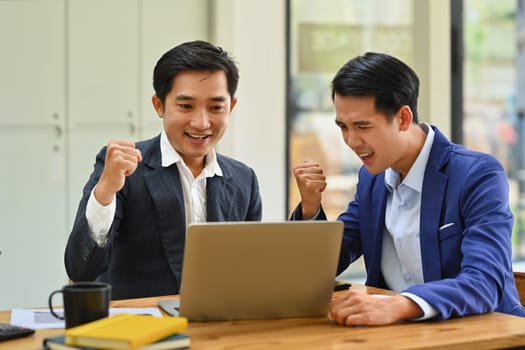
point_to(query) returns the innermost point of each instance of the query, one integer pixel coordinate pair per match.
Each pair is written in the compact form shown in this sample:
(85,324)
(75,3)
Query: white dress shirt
(401,254)
(100,217)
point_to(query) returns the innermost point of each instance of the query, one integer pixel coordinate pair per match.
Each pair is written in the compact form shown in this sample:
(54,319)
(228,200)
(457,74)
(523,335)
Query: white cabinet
(103,64)
(103,83)
(32,150)
(31,62)
(74,74)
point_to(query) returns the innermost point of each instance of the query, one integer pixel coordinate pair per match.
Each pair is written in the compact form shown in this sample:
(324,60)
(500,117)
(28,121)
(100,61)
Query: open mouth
(197,136)
(365,156)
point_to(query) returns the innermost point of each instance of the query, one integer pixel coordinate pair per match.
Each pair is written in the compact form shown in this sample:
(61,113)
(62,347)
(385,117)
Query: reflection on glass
(323,38)
(325,34)
(490,121)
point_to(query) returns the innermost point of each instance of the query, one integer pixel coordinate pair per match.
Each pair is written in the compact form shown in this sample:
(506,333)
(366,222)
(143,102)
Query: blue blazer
(466,228)
(144,254)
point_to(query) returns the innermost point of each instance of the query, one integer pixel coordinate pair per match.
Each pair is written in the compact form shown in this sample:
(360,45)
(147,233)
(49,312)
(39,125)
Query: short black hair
(195,55)
(392,82)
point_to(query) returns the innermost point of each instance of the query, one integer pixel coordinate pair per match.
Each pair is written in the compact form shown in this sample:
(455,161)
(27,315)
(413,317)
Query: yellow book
(124,331)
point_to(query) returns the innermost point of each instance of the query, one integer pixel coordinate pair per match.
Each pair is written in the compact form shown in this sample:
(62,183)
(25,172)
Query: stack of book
(125,331)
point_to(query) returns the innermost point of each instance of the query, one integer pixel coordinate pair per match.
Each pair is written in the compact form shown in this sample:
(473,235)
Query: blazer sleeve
(351,244)
(254,212)
(351,247)
(485,262)
(84,259)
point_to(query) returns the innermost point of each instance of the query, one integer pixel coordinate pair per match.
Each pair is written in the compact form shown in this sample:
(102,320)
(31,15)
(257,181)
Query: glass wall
(323,35)
(323,38)
(490,114)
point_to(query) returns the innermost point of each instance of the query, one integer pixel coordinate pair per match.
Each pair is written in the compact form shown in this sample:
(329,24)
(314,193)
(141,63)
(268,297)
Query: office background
(75,74)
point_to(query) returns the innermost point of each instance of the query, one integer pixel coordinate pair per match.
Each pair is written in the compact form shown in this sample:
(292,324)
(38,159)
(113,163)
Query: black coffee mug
(83,302)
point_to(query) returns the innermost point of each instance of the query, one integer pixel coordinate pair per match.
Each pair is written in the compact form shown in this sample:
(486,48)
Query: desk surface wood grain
(489,331)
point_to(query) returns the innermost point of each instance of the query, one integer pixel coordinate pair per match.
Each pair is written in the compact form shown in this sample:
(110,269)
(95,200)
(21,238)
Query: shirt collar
(169,156)
(414,178)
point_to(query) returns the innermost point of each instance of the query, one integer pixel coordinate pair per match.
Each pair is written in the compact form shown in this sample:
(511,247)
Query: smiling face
(195,114)
(379,142)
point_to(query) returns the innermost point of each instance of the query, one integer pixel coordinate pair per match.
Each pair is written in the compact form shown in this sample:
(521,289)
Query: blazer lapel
(431,203)
(432,198)
(377,224)
(165,188)
(220,198)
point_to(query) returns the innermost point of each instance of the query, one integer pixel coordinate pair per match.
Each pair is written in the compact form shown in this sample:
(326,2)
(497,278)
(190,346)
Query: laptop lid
(259,270)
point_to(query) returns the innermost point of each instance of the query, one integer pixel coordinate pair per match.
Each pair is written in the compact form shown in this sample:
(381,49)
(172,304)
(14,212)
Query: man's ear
(233,103)
(405,117)
(157,105)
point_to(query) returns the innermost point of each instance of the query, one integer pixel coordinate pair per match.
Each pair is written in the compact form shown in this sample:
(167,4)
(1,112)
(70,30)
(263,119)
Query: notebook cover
(175,341)
(124,331)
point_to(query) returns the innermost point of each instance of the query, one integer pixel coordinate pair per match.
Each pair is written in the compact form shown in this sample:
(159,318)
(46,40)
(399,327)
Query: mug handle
(51,305)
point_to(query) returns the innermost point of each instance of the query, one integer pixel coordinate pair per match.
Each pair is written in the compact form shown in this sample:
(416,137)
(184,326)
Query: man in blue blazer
(431,218)
(131,223)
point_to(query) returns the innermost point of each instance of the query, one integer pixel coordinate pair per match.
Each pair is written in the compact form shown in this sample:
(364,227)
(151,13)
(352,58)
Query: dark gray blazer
(143,256)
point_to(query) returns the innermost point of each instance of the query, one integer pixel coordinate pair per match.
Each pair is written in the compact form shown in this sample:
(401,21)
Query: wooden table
(489,331)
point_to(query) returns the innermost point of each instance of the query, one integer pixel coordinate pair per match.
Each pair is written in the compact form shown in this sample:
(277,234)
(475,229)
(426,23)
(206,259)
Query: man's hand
(311,183)
(354,308)
(122,159)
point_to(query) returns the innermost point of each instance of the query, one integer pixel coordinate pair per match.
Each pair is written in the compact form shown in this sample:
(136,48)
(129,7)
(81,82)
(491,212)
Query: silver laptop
(259,270)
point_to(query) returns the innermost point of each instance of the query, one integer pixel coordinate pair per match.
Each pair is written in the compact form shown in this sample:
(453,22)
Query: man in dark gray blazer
(131,223)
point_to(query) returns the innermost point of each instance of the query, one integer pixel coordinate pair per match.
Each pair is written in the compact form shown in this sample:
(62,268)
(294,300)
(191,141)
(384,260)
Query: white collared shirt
(401,262)
(194,189)
(100,217)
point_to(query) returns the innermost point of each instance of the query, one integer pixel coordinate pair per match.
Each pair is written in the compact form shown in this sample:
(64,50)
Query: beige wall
(254,32)
(432,61)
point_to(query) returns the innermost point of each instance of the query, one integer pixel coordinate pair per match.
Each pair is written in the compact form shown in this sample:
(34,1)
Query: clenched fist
(122,159)
(311,183)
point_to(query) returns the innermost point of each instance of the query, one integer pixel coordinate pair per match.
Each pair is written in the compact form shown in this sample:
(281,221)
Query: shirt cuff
(99,218)
(428,310)
(294,217)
